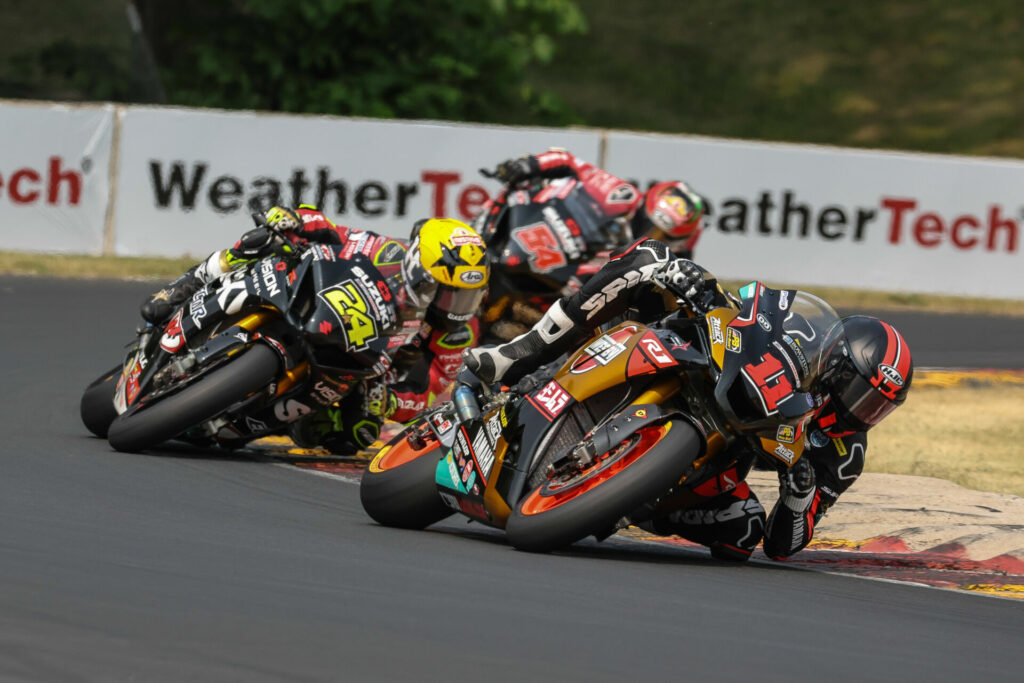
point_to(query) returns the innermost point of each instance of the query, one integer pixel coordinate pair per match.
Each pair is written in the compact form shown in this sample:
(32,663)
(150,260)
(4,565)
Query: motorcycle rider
(668,211)
(442,272)
(868,374)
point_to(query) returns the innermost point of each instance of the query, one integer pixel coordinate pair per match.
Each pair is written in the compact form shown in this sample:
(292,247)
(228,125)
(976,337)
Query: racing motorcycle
(627,429)
(545,239)
(249,353)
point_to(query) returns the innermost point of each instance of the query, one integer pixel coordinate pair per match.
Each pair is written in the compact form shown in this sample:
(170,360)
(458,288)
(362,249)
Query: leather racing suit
(619,201)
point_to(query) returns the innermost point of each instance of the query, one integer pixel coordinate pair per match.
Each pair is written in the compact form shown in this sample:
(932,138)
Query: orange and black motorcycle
(624,430)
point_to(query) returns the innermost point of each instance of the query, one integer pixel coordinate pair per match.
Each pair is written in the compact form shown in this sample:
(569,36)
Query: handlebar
(702,303)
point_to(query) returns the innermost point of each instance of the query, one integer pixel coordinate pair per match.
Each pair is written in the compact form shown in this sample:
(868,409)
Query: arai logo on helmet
(891,374)
(472,277)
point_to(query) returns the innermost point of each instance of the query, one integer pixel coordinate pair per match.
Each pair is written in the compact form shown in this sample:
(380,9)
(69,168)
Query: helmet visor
(460,304)
(862,401)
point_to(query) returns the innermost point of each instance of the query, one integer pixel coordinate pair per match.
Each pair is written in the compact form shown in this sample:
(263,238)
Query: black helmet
(867,372)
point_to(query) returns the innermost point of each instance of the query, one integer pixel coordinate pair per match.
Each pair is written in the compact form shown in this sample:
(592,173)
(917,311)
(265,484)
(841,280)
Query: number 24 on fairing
(351,308)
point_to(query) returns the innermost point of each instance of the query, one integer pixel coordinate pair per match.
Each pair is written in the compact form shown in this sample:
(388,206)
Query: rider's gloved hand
(512,171)
(681,277)
(260,242)
(797,486)
(282,218)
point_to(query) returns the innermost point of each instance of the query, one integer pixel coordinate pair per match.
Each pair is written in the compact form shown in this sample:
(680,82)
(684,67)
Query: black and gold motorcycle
(249,353)
(623,431)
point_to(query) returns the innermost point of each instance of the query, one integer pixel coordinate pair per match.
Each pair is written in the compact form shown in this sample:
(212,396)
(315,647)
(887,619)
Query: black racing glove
(513,171)
(260,242)
(682,277)
(283,219)
(797,486)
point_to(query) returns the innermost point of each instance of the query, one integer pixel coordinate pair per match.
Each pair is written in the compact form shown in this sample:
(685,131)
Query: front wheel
(149,425)
(97,406)
(398,487)
(573,505)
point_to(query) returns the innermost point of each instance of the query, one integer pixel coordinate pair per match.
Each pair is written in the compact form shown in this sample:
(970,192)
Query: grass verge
(93,267)
(164,269)
(969,435)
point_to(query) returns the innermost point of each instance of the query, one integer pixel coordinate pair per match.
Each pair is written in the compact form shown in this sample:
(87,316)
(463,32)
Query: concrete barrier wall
(54,176)
(850,218)
(173,181)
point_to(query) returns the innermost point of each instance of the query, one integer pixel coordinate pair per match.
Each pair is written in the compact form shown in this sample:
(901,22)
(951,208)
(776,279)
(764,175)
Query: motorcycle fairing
(471,465)
(627,350)
(546,230)
(762,376)
(265,293)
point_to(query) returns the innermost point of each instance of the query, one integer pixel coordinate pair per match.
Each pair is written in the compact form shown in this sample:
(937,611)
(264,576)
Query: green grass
(970,436)
(927,75)
(924,75)
(65,50)
(92,267)
(164,269)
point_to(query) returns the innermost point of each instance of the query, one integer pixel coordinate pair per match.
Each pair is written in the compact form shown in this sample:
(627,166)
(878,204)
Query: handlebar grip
(703,303)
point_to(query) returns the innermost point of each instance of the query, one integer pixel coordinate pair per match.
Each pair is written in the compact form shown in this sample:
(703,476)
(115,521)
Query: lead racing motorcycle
(623,431)
(251,352)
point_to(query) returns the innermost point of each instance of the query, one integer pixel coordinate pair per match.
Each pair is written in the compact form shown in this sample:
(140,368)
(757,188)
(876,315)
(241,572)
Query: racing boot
(553,334)
(327,428)
(158,307)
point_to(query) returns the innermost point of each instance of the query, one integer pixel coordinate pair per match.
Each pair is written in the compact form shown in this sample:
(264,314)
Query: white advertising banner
(54,176)
(189,179)
(846,218)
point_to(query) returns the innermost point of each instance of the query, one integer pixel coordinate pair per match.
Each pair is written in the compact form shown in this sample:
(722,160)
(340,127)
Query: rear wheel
(574,504)
(97,406)
(398,487)
(172,415)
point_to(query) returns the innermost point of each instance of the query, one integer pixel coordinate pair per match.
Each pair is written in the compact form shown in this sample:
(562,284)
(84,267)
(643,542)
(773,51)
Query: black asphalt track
(178,566)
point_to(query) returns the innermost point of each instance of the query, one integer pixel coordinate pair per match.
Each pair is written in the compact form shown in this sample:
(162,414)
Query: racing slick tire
(241,377)
(97,406)
(398,489)
(564,509)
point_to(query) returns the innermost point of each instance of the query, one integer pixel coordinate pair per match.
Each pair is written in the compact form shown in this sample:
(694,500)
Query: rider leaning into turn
(855,395)
(445,273)
(668,211)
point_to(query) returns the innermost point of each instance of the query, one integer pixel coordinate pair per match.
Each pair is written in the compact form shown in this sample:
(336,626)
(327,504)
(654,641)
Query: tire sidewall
(405,496)
(97,405)
(598,509)
(174,414)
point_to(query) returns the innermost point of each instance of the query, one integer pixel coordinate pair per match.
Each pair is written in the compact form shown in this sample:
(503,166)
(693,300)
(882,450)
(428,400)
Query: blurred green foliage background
(928,75)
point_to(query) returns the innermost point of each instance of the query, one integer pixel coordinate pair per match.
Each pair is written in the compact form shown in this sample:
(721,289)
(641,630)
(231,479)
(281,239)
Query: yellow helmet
(446,271)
